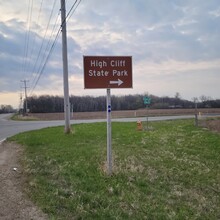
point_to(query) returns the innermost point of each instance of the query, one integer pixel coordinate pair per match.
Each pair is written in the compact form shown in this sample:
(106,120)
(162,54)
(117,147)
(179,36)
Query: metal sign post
(109,132)
(147,101)
(147,116)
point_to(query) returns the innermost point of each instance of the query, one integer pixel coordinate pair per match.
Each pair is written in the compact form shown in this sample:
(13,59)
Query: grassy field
(168,172)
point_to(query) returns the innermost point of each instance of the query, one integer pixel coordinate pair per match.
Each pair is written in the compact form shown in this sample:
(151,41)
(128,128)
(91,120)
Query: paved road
(9,128)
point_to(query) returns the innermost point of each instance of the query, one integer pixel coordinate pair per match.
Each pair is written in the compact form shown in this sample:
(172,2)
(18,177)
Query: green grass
(168,172)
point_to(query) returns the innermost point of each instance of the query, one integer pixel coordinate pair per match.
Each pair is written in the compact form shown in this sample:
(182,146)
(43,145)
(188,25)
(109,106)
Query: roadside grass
(168,172)
(18,117)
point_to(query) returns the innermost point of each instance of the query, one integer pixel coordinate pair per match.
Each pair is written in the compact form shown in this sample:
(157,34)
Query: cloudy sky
(174,45)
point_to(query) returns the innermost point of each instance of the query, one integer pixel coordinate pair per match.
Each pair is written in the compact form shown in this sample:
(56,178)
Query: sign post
(106,72)
(147,101)
(109,132)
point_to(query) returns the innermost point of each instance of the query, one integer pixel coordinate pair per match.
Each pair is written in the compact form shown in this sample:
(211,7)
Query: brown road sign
(102,72)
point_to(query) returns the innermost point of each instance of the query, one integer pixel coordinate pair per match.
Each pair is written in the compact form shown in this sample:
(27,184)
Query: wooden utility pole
(65,68)
(196,112)
(25,91)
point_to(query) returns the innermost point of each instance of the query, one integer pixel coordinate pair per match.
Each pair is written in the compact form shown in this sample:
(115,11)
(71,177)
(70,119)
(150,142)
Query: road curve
(9,128)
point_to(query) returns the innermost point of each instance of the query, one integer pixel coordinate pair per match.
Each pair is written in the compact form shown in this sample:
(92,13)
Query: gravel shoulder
(14,204)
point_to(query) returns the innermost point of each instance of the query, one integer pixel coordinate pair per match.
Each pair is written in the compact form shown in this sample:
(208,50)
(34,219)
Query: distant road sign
(101,72)
(147,100)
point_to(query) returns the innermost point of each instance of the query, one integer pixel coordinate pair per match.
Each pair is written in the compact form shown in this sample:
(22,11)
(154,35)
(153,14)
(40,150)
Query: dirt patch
(14,204)
(213,125)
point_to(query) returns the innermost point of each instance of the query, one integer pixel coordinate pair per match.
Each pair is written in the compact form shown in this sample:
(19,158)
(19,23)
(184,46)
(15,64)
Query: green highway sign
(147,100)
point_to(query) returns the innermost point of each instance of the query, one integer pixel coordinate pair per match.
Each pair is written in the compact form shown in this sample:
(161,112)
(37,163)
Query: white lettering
(117,63)
(96,63)
(114,72)
(119,73)
(90,73)
(93,63)
(98,73)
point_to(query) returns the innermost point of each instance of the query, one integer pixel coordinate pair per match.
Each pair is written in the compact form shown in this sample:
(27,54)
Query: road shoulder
(14,204)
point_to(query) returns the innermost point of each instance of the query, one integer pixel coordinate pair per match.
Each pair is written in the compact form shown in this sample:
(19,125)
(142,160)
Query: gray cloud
(182,30)
(154,32)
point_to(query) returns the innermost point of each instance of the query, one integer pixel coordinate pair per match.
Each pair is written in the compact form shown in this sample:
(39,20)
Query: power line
(37,77)
(47,59)
(40,70)
(73,11)
(27,37)
(42,67)
(34,40)
(42,44)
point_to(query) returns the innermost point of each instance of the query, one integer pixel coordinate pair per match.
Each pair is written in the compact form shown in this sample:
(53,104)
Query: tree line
(48,103)
(6,109)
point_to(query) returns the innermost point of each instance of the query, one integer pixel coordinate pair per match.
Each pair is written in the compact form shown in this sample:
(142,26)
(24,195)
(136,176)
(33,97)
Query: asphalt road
(9,128)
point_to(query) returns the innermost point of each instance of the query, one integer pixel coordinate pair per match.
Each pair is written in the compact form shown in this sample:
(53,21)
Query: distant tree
(205,101)
(177,102)
(6,109)
(204,98)
(177,96)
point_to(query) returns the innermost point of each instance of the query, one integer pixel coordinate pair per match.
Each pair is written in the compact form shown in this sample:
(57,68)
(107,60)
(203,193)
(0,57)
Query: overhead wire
(73,10)
(35,34)
(47,58)
(41,70)
(41,47)
(27,38)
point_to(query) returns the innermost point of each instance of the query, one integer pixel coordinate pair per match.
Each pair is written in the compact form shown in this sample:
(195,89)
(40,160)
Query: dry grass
(213,124)
(123,114)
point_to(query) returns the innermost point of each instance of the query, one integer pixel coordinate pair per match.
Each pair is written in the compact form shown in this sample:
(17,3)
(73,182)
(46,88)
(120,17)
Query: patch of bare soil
(213,125)
(14,204)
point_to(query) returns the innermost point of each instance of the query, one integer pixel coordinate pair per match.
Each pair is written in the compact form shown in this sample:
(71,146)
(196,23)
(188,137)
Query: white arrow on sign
(119,82)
